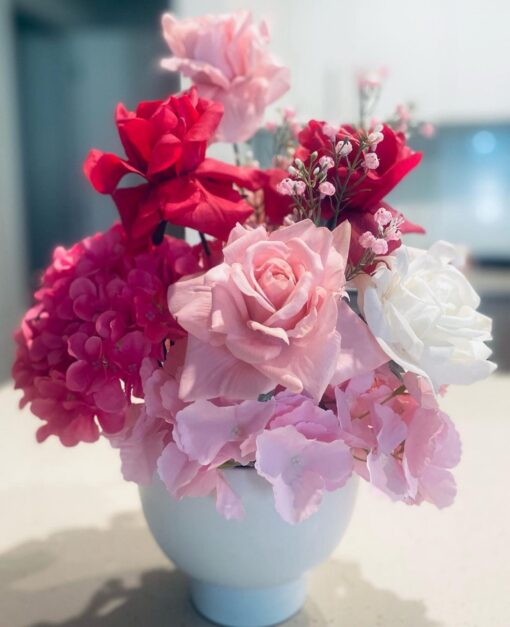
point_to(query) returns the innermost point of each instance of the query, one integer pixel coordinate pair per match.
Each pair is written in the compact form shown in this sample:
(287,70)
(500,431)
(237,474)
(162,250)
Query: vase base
(247,607)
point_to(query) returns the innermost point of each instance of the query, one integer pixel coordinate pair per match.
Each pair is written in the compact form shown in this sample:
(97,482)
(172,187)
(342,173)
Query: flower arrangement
(249,349)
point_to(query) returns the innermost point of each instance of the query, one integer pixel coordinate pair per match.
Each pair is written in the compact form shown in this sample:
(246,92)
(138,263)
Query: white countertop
(75,552)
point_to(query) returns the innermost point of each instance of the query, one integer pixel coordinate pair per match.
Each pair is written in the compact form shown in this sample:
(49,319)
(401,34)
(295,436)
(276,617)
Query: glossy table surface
(75,551)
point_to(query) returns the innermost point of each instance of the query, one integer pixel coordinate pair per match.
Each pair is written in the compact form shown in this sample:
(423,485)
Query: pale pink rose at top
(227,59)
(270,315)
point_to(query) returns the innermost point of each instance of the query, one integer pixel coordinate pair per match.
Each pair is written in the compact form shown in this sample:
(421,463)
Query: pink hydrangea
(400,440)
(205,436)
(301,454)
(227,59)
(99,312)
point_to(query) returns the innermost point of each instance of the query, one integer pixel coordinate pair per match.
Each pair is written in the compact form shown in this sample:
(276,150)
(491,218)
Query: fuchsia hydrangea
(306,343)
(99,312)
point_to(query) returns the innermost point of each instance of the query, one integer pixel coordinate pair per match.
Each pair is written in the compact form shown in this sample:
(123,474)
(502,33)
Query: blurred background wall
(64,64)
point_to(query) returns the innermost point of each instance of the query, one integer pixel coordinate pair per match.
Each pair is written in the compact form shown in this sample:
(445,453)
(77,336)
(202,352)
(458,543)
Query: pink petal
(359,352)
(212,372)
(189,301)
(110,397)
(228,503)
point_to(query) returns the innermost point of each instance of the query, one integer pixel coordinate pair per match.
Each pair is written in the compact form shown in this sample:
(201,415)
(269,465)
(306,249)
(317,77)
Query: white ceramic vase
(249,573)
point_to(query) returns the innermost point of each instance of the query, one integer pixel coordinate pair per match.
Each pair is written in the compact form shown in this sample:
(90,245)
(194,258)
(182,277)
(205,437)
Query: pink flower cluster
(246,351)
(270,321)
(293,443)
(98,313)
(387,231)
(400,440)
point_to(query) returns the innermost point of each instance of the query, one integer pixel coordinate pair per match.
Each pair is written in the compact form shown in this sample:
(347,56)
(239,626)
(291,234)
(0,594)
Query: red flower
(165,143)
(396,160)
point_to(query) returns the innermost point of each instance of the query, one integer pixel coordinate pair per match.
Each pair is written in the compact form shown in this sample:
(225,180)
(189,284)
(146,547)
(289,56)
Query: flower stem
(205,245)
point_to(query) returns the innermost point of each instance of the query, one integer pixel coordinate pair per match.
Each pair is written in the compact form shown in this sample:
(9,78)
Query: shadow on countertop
(117,577)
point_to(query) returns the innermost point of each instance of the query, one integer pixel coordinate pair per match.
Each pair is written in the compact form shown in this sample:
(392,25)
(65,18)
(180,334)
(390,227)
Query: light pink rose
(226,58)
(268,315)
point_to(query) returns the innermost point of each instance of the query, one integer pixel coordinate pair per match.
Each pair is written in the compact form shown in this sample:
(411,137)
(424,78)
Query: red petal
(104,170)
(214,207)
(250,178)
(164,154)
(137,137)
(138,208)
(110,398)
(207,124)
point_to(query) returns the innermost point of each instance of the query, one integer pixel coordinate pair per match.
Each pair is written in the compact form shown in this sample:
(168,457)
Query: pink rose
(267,316)
(226,58)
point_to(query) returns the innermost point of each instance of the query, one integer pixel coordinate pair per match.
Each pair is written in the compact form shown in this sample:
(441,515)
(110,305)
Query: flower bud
(327,189)
(343,148)
(371,161)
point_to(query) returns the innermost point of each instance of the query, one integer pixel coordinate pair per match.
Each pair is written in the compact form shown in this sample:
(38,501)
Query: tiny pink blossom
(271,126)
(330,131)
(375,137)
(288,187)
(392,232)
(326,162)
(343,148)
(371,161)
(382,216)
(427,130)
(379,246)
(403,112)
(366,239)
(393,235)
(298,187)
(327,189)
(289,113)
(284,188)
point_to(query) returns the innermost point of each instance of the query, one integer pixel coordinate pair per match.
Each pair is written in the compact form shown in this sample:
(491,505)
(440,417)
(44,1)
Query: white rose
(422,310)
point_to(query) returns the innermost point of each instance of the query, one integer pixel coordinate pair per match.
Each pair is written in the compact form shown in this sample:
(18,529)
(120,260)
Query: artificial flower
(301,469)
(226,58)
(423,312)
(99,313)
(267,316)
(165,143)
(403,448)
